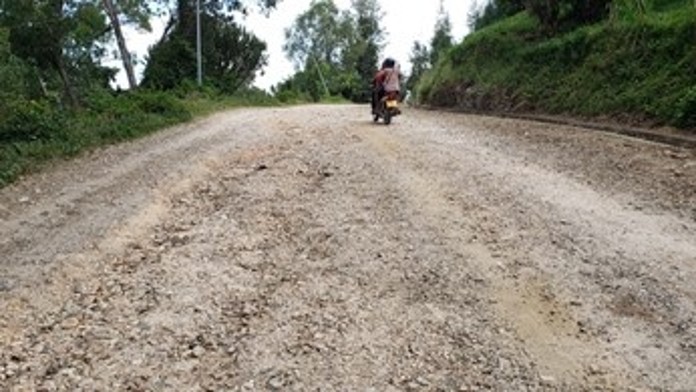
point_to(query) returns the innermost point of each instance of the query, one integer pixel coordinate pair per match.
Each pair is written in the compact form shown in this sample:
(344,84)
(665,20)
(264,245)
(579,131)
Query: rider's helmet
(388,63)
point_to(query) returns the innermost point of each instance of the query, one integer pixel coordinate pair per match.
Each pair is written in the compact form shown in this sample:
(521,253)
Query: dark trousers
(377,95)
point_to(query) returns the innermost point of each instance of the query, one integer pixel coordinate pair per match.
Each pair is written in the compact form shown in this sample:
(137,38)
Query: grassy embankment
(630,68)
(35,133)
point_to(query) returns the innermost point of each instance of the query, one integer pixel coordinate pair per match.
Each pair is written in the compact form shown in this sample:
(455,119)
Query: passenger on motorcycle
(386,81)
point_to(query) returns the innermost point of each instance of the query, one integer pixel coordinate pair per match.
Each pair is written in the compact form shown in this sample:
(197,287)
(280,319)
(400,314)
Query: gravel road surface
(307,248)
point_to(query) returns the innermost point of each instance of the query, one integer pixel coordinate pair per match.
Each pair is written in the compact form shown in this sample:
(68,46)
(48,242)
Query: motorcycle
(387,108)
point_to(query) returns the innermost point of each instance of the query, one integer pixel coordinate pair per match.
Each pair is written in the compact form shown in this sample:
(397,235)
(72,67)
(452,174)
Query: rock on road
(307,248)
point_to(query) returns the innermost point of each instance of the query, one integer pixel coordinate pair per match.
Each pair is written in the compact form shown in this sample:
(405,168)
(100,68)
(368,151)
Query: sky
(405,21)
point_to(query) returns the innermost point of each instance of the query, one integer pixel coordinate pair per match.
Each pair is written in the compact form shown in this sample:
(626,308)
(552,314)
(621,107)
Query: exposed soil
(310,249)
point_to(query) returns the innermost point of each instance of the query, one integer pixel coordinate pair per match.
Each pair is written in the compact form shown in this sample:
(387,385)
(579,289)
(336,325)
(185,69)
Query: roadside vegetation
(57,97)
(34,132)
(631,60)
(335,52)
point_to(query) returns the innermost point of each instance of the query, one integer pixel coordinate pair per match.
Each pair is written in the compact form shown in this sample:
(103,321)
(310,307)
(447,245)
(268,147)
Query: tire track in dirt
(370,300)
(101,188)
(552,342)
(620,271)
(608,222)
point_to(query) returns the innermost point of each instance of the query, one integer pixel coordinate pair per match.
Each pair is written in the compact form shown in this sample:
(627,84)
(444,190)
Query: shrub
(685,111)
(160,103)
(31,120)
(33,132)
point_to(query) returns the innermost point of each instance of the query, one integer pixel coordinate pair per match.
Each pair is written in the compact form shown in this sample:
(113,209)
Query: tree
(367,43)
(231,5)
(225,44)
(442,39)
(37,31)
(344,43)
(319,43)
(236,56)
(13,72)
(134,11)
(319,34)
(58,37)
(420,63)
(231,55)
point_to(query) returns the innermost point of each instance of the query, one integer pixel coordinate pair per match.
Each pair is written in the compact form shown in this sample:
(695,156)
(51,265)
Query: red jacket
(388,78)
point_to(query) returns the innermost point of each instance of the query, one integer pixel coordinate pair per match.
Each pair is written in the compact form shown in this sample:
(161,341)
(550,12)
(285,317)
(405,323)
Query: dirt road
(309,249)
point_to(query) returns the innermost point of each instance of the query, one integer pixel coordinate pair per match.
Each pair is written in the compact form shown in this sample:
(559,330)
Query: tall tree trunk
(67,84)
(56,53)
(121,41)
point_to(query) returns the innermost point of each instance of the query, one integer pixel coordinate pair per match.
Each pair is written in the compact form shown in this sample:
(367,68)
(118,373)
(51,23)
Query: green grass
(640,67)
(33,134)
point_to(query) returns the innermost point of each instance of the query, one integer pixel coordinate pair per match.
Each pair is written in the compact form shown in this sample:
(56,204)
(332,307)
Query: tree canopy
(62,45)
(231,55)
(334,51)
(442,39)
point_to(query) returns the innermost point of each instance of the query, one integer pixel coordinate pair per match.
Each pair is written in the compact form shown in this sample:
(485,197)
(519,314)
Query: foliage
(554,14)
(423,57)
(55,94)
(320,34)
(493,11)
(227,6)
(13,74)
(336,53)
(138,12)
(684,114)
(171,63)
(63,39)
(442,39)
(640,68)
(365,48)
(420,63)
(307,85)
(551,14)
(231,55)
(31,120)
(588,11)
(38,132)
(548,12)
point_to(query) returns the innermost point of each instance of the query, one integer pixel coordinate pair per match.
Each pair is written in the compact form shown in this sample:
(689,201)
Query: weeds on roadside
(639,62)
(35,132)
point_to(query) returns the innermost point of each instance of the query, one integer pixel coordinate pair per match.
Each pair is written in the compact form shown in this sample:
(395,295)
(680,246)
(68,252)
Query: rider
(386,81)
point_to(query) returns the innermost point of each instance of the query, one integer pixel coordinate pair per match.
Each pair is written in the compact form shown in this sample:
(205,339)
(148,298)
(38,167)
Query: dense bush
(31,120)
(685,110)
(171,63)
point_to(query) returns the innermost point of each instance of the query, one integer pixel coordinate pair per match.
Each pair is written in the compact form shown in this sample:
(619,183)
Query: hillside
(637,69)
